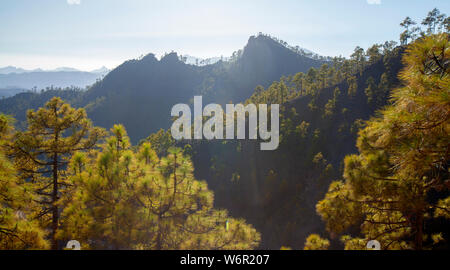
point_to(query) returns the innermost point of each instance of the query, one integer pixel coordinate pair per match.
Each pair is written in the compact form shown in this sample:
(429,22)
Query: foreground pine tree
(41,153)
(127,199)
(399,181)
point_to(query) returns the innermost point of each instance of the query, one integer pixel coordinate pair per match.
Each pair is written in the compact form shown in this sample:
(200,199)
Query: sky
(88,34)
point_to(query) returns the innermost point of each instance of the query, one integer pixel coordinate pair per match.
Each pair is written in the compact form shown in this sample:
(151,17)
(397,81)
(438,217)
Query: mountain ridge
(18,70)
(144,90)
(153,86)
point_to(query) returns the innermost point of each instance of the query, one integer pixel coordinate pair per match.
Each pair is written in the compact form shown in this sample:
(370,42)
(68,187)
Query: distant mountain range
(11,69)
(14,80)
(18,70)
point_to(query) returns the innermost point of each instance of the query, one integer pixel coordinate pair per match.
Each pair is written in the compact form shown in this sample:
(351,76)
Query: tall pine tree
(399,181)
(43,151)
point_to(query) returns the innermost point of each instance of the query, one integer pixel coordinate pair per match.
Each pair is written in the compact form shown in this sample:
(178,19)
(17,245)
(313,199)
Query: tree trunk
(158,237)
(55,214)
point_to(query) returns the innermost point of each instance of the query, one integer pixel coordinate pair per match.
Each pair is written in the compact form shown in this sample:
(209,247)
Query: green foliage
(161,141)
(17,230)
(402,160)
(128,200)
(107,196)
(315,242)
(374,53)
(54,133)
(319,159)
(302,129)
(327,75)
(371,91)
(435,23)
(352,86)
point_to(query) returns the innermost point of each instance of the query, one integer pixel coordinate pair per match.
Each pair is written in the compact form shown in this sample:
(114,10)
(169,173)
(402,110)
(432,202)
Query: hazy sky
(87,34)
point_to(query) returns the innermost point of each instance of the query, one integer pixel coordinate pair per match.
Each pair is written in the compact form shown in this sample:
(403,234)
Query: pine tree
(315,242)
(54,133)
(433,20)
(182,210)
(359,58)
(352,86)
(403,160)
(374,53)
(407,23)
(371,91)
(161,141)
(133,200)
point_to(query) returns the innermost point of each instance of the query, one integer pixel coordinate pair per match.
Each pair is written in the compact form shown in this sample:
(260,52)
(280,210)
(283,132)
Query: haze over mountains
(14,80)
(12,69)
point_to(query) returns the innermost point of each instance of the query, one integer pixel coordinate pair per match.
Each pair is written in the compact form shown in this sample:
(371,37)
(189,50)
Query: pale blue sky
(87,34)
